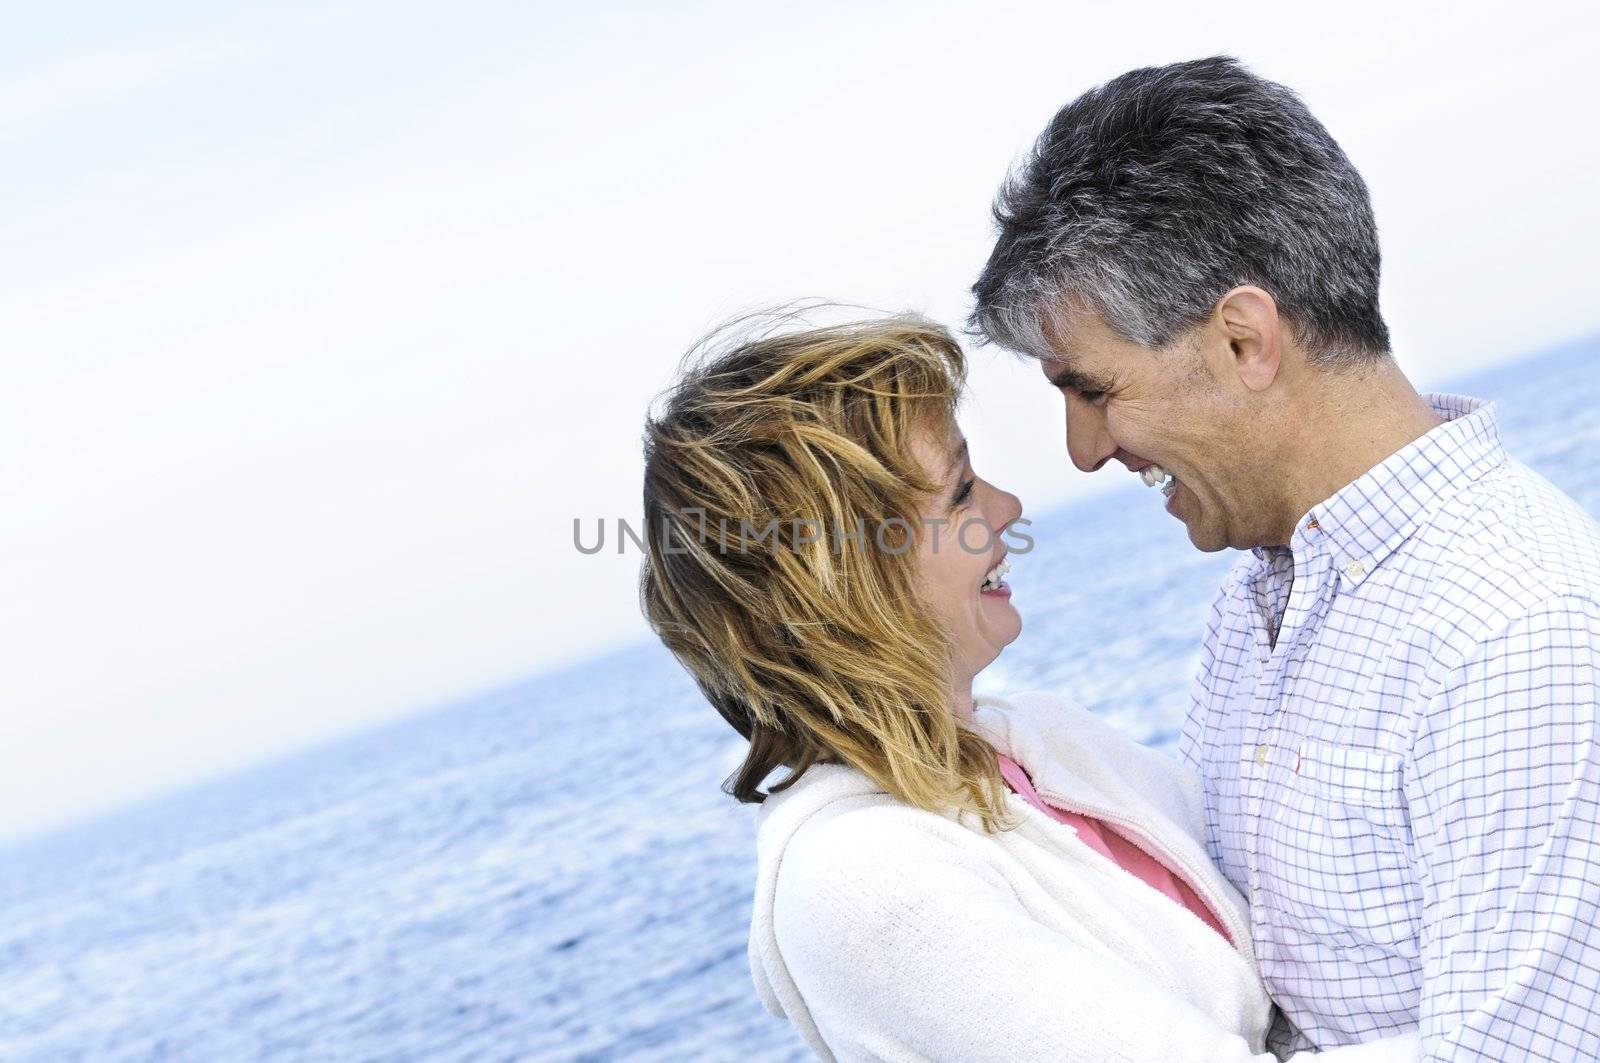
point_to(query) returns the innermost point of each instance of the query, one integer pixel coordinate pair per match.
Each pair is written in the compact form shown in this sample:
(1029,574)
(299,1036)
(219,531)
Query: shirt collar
(1363,523)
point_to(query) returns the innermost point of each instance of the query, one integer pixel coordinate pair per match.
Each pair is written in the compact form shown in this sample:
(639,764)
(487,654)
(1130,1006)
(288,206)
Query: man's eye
(1093,398)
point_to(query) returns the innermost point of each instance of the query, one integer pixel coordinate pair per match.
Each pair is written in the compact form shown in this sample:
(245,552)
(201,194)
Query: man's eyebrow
(1070,376)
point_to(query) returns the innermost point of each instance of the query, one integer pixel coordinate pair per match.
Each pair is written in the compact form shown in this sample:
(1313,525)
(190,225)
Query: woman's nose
(1012,509)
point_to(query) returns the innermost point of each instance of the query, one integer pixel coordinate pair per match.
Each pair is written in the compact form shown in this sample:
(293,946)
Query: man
(1395,714)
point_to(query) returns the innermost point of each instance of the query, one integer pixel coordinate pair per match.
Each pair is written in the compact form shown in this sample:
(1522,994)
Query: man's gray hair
(1148,198)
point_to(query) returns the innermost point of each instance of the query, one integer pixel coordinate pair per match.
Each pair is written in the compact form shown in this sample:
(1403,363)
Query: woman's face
(959,547)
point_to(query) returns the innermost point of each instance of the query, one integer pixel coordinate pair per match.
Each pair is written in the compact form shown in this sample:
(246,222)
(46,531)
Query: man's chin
(1206,539)
(1207,546)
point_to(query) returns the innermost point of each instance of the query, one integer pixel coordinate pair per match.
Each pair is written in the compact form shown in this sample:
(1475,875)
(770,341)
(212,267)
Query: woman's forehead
(939,446)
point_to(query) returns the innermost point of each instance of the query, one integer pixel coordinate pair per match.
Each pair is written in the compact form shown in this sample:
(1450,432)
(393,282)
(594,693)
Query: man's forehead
(1073,340)
(1085,353)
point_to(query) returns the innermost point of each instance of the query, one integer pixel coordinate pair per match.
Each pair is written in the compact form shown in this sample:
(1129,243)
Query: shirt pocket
(1344,844)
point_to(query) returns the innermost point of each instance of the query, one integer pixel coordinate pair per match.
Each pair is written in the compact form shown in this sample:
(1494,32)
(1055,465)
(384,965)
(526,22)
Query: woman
(939,876)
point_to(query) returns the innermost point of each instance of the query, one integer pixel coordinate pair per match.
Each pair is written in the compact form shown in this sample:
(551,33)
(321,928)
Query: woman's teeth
(1155,474)
(996,576)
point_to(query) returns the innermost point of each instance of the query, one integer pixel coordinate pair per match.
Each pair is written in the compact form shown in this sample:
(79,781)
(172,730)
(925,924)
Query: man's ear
(1248,319)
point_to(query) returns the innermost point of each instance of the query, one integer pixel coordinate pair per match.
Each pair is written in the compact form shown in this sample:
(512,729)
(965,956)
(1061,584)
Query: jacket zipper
(1132,830)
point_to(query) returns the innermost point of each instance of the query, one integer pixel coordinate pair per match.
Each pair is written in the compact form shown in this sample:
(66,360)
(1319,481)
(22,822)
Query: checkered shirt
(1395,717)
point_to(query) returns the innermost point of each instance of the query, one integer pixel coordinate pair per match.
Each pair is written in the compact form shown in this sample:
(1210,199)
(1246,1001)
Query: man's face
(1181,408)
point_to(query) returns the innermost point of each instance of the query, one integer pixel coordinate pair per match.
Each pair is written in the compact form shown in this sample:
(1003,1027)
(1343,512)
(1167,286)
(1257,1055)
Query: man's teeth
(996,574)
(1155,474)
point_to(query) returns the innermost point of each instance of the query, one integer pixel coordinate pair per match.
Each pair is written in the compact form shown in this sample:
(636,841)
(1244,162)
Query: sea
(549,871)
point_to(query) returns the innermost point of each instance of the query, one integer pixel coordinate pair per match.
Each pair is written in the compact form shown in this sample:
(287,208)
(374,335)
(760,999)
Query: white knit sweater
(886,932)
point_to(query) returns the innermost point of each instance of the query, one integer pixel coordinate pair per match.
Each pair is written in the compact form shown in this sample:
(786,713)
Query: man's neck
(1348,425)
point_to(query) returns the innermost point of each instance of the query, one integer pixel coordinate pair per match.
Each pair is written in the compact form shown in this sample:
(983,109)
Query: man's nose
(1088,442)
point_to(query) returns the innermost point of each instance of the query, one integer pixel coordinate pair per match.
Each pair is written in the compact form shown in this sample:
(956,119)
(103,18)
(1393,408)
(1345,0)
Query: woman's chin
(1004,627)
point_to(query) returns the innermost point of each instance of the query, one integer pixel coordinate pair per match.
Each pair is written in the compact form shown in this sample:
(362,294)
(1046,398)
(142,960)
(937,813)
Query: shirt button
(1312,525)
(1355,570)
(1261,754)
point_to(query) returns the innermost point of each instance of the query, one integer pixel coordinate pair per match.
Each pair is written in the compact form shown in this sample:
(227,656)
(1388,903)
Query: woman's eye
(963,493)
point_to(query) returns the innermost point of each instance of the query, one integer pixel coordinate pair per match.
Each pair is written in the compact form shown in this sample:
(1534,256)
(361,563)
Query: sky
(321,324)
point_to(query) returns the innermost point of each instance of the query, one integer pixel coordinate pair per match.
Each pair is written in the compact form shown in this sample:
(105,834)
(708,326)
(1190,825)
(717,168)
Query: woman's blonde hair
(782,505)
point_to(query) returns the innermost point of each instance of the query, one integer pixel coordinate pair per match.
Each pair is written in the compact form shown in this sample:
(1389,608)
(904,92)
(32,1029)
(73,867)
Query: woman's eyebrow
(956,460)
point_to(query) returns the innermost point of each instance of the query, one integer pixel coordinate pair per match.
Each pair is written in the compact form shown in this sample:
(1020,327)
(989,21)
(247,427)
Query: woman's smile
(994,584)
